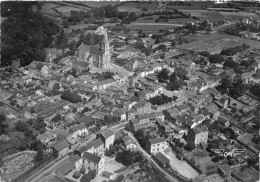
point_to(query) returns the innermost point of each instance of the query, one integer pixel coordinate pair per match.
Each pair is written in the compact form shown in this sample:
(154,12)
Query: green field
(214,43)
(48,8)
(240,15)
(152,26)
(65,10)
(205,15)
(99,4)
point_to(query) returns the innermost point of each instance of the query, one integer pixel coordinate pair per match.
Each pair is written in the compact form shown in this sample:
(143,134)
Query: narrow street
(151,159)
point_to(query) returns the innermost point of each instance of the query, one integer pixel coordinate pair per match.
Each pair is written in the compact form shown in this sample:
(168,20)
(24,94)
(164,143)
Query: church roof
(92,49)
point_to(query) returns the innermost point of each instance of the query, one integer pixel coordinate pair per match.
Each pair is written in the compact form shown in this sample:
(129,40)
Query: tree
(216,58)
(39,156)
(251,162)
(163,75)
(204,53)
(56,86)
(92,173)
(3,124)
(85,178)
(70,96)
(76,174)
(189,146)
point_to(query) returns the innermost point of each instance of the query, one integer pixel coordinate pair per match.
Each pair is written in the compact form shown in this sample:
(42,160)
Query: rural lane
(151,159)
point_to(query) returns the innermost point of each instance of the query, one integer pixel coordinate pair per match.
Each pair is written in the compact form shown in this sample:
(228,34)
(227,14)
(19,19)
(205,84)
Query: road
(42,174)
(151,159)
(45,172)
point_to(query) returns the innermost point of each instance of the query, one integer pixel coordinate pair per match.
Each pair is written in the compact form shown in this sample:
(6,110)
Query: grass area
(100,3)
(205,15)
(214,43)
(48,8)
(204,162)
(152,26)
(247,174)
(65,10)
(80,26)
(137,6)
(239,15)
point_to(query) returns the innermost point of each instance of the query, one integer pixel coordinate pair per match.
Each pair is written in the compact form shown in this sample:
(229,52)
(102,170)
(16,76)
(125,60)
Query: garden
(18,165)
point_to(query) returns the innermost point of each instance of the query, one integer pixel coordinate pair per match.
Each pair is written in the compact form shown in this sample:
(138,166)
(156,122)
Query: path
(151,159)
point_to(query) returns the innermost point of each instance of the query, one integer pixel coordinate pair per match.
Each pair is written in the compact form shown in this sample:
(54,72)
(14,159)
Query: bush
(82,169)
(216,58)
(70,96)
(76,174)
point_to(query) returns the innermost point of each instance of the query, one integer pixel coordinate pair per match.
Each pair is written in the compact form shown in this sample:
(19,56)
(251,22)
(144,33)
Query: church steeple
(105,42)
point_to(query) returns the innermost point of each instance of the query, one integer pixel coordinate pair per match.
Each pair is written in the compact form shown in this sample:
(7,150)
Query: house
(142,107)
(121,114)
(183,108)
(61,149)
(66,168)
(156,145)
(129,143)
(198,135)
(144,118)
(162,159)
(62,135)
(47,137)
(214,114)
(98,146)
(87,121)
(225,121)
(78,130)
(130,114)
(224,171)
(108,137)
(230,73)
(93,162)
(77,161)
(222,103)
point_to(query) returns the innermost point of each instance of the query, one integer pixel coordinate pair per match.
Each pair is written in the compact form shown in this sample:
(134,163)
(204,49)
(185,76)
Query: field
(99,4)
(205,15)
(48,8)
(152,26)
(65,10)
(214,43)
(192,5)
(17,165)
(247,174)
(240,15)
(151,19)
(78,26)
(183,168)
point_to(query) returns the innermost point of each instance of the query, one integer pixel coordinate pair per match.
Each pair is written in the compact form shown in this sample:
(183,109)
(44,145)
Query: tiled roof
(108,133)
(86,120)
(61,145)
(86,147)
(96,143)
(162,158)
(91,157)
(76,128)
(128,140)
(157,140)
(66,168)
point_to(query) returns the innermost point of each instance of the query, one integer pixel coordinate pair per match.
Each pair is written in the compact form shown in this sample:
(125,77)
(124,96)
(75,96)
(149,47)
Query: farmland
(65,10)
(151,19)
(48,8)
(94,4)
(239,15)
(152,26)
(214,43)
(205,15)
(137,7)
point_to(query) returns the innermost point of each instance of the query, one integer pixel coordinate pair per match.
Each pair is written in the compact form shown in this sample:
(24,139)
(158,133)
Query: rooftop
(91,157)
(157,140)
(108,133)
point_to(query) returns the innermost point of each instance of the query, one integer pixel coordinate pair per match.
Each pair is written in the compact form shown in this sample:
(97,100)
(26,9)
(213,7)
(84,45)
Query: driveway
(151,159)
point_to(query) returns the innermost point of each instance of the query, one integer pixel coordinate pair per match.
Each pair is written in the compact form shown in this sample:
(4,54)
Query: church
(95,55)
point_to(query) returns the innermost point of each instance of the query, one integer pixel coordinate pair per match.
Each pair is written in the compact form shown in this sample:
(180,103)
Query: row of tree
(234,50)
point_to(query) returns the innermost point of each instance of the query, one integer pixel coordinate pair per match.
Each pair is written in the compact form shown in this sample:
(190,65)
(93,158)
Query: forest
(25,33)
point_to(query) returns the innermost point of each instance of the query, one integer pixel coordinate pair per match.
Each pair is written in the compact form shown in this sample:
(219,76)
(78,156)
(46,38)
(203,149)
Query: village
(135,106)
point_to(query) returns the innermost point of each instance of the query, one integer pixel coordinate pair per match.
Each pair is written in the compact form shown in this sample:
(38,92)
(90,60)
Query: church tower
(105,48)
